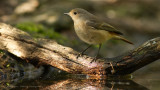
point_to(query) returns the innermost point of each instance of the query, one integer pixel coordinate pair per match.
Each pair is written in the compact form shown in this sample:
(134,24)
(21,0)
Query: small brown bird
(92,30)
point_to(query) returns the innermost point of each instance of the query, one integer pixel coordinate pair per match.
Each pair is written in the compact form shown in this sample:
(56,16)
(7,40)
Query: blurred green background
(139,20)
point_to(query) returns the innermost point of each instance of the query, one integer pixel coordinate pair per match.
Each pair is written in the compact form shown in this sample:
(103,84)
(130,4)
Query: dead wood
(48,52)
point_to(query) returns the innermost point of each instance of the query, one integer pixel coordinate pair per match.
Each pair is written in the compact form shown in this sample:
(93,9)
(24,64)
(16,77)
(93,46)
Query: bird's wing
(102,26)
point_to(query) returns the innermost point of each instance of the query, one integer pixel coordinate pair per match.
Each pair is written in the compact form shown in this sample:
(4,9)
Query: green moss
(40,31)
(8,65)
(7,84)
(141,52)
(1,52)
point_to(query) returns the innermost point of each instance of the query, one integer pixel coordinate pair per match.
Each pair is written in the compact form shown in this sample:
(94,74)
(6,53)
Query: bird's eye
(75,13)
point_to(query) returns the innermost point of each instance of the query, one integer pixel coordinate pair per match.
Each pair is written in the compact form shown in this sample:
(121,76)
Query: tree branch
(48,52)
(137,58)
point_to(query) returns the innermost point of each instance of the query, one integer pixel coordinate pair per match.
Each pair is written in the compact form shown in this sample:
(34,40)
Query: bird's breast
(81,30)
(90,35)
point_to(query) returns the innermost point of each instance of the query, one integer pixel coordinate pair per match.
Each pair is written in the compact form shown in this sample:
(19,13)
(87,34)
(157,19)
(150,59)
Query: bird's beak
(66,13)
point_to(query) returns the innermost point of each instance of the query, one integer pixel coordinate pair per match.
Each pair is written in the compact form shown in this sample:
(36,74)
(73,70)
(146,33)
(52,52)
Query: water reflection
(124,85)
(80,84)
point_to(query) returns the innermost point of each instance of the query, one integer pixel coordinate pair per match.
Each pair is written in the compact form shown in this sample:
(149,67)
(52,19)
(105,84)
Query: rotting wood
(48,52)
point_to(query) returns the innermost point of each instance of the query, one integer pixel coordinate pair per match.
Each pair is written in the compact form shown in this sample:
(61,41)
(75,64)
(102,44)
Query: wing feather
(103,26)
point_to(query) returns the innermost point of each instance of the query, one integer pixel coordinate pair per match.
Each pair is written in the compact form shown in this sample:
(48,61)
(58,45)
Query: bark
(137,58)
(48,52)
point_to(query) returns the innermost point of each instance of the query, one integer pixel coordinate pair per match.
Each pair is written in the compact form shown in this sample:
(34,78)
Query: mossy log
(48,52)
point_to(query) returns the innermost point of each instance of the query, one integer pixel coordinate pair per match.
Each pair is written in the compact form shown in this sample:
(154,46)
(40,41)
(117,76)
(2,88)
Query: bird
(93,30)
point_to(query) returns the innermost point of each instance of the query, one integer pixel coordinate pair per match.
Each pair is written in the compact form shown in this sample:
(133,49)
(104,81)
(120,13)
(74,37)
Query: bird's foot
(94,59)
(79,54)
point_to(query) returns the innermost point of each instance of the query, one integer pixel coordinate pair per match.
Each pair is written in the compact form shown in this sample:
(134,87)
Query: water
(140,80)
(81,83)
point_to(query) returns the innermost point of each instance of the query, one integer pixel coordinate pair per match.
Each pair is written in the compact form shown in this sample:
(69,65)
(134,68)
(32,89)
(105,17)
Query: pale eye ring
(74,13)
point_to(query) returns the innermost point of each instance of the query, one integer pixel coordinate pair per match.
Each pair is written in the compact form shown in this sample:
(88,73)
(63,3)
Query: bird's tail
(123,39)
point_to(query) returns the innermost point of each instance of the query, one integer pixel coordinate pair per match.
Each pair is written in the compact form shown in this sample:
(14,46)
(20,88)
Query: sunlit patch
(26,7)
(154,42)
(15,48)
(111,14)
(86,62)
(41,17)
(52,19)
(17,53)
(90,88)
(147,44)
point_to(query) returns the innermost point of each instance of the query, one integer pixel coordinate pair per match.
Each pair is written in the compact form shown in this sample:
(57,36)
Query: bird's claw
(79,54)
(94,59)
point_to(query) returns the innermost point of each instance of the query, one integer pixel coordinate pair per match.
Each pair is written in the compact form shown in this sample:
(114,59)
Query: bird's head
(79,13)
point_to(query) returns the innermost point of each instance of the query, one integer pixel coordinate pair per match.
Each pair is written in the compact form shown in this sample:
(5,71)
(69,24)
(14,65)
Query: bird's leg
(82,53)
(95,58)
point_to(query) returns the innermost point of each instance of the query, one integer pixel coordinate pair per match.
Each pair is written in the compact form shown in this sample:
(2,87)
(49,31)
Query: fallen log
(48,52)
